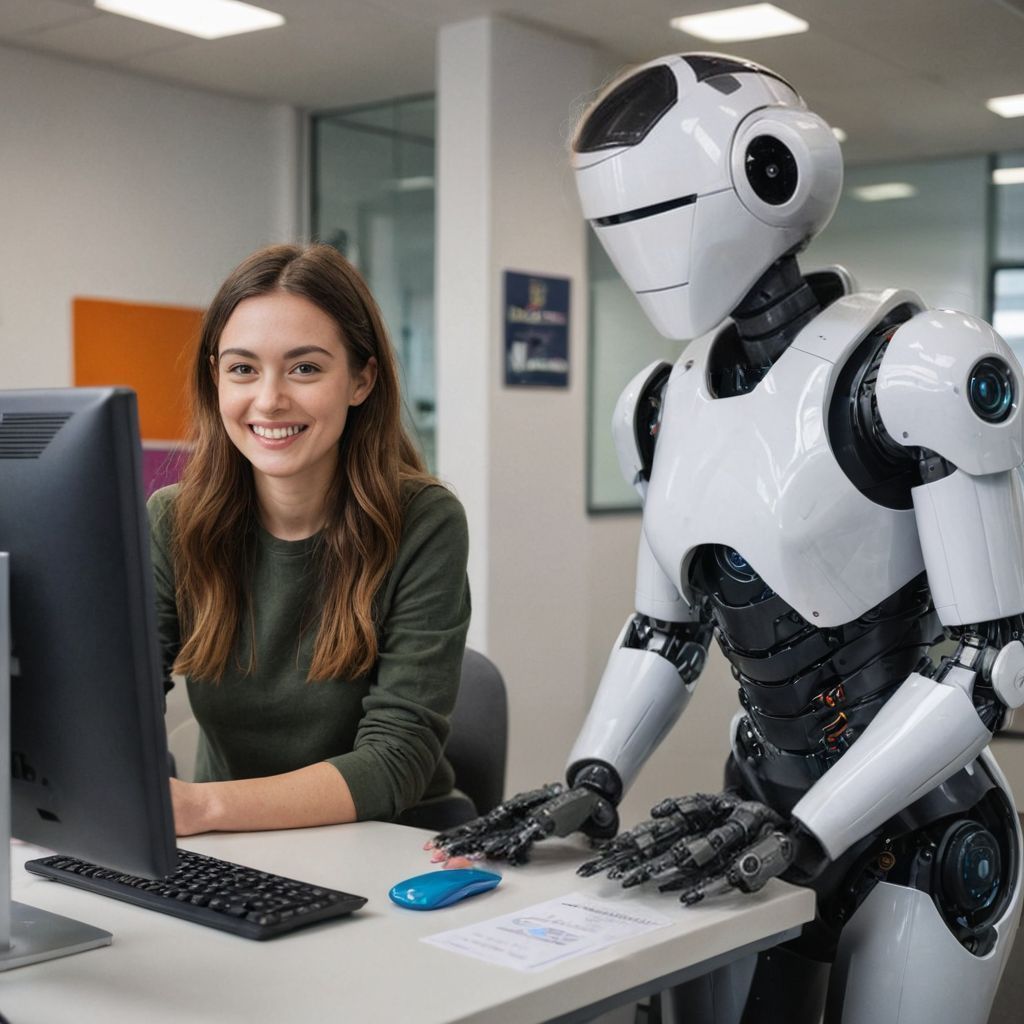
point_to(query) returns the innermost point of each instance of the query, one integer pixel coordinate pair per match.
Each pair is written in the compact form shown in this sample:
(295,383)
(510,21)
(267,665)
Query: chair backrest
(478,743)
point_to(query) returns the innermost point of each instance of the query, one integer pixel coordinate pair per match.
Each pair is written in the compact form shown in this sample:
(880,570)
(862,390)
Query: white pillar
(507,98)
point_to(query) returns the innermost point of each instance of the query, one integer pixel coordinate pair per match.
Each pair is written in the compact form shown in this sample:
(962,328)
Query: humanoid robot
(830,485)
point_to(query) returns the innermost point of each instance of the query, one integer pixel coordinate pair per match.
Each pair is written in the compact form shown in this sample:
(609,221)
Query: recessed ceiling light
(1007,106)
(884,190)
(1008,176)
(208,19)
(754,21)
(839,134)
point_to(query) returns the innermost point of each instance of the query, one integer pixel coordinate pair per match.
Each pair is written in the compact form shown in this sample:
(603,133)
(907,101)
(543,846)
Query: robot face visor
(626,115)
(650,247)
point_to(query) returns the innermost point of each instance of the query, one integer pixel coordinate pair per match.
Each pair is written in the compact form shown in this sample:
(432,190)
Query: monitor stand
(27,935)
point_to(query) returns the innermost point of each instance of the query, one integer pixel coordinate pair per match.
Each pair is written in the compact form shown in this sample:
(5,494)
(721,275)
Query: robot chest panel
(755,473)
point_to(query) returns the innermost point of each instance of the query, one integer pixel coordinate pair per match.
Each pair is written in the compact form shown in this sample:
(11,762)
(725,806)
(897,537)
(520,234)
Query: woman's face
(285,387)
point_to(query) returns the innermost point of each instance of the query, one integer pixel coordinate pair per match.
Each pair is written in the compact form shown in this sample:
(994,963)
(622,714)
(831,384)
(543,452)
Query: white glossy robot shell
(667,169)
(925,385)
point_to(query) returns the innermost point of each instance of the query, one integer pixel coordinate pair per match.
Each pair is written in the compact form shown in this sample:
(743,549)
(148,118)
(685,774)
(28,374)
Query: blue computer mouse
(442,888)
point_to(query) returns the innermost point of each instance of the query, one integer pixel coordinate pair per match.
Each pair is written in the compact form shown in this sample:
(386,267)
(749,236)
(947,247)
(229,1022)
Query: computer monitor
(88,745)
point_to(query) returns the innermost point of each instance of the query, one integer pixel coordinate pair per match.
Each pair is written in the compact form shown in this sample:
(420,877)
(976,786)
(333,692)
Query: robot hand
(705,845)
(510,830)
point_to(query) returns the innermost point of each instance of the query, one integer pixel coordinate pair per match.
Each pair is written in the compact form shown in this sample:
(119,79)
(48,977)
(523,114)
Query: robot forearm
(929,729)
(647,683)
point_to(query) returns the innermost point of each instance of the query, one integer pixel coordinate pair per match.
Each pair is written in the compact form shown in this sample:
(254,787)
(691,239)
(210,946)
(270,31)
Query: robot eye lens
(990,390)
(771,170)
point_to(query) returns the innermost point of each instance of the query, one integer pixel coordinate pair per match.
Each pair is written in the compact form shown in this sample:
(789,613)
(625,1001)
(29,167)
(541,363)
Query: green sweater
(384,732)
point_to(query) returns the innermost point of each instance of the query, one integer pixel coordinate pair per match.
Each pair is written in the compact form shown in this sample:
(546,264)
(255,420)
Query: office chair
(476,748)
(478,742)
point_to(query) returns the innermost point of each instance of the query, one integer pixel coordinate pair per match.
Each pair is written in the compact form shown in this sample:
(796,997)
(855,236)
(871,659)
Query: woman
(310,575)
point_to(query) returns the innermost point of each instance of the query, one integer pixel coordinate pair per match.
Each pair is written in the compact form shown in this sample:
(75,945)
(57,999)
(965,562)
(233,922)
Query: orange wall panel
(143,347)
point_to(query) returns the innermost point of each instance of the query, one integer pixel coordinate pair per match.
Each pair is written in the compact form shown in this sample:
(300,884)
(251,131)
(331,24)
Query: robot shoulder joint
(635,423)
(949,384)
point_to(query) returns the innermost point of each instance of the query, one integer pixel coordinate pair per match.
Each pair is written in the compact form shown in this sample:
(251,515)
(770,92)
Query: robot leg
(899,961)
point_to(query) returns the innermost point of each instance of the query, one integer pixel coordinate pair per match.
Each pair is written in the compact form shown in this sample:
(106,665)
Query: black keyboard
(217,893)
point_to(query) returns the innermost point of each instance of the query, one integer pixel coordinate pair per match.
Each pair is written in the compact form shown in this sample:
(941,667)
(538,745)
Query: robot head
(697,172)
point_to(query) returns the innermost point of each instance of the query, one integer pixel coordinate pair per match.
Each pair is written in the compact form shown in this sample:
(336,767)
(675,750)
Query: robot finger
(746,822)
(637,846)
(698,812)
(673,863)
(610,861)
(770,856)
(510,813)
(515,848)
(716,885)
(760,861)
(467,830)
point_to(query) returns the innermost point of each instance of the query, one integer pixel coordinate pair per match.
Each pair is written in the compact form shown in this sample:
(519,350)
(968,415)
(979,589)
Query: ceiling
(904,78)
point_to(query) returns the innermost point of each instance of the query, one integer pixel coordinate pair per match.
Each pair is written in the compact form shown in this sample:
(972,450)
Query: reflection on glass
(373,198)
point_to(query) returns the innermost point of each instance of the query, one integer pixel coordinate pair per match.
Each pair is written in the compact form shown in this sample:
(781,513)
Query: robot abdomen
(755,473)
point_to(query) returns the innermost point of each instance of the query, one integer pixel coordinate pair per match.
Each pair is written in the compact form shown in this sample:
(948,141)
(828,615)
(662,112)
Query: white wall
(115,186)
(551,586)
(515,457)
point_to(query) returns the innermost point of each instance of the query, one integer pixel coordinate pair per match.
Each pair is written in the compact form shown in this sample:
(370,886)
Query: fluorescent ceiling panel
(884,190)
(207,19)
(1007,106)
(754,21)
(1008,176)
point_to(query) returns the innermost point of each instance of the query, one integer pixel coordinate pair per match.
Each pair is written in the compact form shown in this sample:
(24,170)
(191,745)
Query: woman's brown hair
(215,514)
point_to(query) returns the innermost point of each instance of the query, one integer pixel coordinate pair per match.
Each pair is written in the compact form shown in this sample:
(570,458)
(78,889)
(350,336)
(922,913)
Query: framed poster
(536,331)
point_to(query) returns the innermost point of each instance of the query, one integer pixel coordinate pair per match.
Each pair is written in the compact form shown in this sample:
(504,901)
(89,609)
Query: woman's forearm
(315,795)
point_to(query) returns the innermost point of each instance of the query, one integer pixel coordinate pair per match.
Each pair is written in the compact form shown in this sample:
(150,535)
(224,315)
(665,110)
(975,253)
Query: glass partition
(1008,249)
(622,343)
(931,236)
(373,199)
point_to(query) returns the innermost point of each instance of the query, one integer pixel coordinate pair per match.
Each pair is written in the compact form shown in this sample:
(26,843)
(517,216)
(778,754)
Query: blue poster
(536,330)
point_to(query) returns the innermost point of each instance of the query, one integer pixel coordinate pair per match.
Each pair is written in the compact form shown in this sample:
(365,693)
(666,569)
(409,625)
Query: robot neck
(773,312)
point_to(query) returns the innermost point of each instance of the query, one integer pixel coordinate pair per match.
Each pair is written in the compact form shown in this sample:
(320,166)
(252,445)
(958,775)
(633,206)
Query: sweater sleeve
(424,611)
(160,510)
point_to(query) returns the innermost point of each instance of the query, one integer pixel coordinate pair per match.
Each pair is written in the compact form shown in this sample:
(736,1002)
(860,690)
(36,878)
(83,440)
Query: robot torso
(769,506)
(756,473)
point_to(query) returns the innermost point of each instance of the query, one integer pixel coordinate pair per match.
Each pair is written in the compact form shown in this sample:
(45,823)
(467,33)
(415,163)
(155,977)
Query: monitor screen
(88,742)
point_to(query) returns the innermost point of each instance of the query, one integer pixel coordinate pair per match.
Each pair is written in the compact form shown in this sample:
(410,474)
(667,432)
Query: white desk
(371,966)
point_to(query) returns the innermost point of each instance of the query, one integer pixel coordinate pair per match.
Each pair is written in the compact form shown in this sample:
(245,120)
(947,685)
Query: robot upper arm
(949,388)
(635,424)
